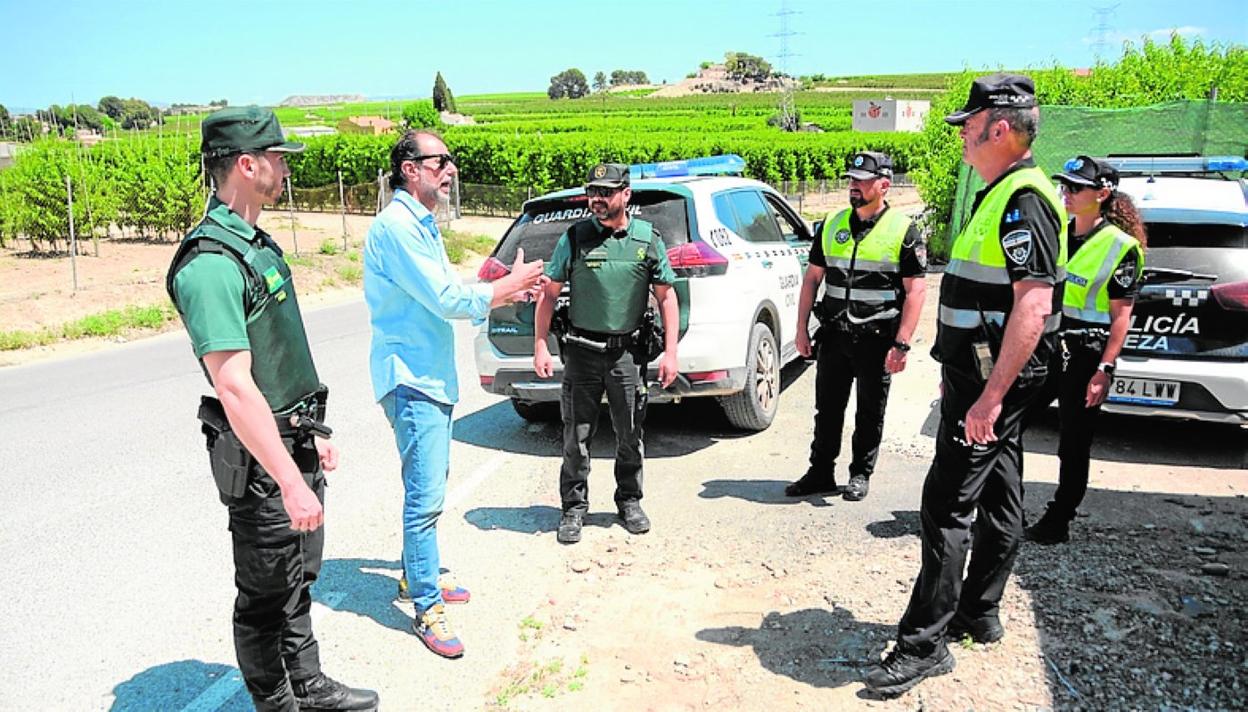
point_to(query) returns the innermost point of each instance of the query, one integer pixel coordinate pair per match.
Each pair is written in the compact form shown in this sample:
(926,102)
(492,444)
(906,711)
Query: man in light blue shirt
(412,294)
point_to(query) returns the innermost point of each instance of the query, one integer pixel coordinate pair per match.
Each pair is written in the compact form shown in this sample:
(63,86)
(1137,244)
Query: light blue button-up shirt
(412,292)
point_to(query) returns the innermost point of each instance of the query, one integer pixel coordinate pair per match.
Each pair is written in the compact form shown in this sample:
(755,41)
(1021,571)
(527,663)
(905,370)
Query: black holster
(647,340)
(231,463)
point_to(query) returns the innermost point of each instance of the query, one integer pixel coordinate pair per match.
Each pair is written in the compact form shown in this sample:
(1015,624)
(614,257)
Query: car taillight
(696,259)
(1233,295)
(706,376)
(487,381)
(492,269)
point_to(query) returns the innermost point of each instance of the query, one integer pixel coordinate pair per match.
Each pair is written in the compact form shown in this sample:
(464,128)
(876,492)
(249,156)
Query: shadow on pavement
(359,586)
(530,520)
(181,685)
(903,523)
(833,654)
(761,492)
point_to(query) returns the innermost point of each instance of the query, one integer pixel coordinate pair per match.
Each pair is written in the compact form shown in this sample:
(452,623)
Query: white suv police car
(738,250)
(1186,354)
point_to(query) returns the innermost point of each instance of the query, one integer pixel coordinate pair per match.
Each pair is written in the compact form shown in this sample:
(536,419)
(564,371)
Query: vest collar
(604,231)
(1028,162)
(222,215)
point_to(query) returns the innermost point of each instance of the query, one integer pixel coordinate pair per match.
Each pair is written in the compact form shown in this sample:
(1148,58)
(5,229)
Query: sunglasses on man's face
(595,191)
(443,159)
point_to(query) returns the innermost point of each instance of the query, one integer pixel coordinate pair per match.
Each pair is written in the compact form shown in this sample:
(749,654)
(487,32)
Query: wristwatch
(901,346)
(1106,368)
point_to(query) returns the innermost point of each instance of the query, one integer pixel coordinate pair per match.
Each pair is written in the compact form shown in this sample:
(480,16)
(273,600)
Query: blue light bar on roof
(1152,165)
(730,164)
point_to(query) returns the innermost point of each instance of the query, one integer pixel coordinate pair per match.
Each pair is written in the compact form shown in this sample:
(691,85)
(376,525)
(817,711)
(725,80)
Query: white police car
(1186,354)
(738,250)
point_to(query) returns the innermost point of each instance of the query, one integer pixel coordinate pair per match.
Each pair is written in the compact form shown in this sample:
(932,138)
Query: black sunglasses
(443,159)
(598,191)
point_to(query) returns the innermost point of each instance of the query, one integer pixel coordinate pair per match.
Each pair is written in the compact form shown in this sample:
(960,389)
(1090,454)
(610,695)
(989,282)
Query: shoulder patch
(1017,246)
(1124,275)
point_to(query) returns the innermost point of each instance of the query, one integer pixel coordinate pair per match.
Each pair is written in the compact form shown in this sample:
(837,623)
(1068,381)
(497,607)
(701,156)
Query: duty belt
(596,341)
(304,420)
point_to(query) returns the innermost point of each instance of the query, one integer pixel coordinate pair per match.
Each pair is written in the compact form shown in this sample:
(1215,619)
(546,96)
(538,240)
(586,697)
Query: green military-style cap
(607,175)
(243,128)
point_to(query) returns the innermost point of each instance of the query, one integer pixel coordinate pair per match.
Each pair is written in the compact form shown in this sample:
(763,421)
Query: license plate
(1144,391)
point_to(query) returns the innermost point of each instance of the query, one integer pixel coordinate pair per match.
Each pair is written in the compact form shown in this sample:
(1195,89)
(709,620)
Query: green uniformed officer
(610,262)
(1102,279)
(1000,303)
(870,260)
(266,441)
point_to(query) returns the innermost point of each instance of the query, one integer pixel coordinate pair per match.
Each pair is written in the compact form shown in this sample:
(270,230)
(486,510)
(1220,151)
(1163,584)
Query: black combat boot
(904,668)
(635,520)
(322,693)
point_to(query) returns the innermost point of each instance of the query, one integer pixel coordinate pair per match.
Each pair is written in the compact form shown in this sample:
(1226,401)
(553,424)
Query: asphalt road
(118,568)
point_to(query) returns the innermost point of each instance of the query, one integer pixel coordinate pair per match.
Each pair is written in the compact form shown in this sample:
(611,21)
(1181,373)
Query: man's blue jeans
(422,431)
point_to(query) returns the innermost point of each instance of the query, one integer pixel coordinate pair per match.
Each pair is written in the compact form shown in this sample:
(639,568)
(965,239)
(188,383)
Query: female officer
(1106,242)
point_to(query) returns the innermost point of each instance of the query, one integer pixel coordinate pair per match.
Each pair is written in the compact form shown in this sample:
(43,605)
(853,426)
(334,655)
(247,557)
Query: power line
(788,105)
(1102,30)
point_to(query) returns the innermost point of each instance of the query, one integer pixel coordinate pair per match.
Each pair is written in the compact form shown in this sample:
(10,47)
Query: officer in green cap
(610,262)
(267,443)
(870,260)
(1000,305)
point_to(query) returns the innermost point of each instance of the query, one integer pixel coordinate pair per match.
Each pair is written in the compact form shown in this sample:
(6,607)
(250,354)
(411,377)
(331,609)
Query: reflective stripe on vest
(849,263)
(977,255)
(1086,295)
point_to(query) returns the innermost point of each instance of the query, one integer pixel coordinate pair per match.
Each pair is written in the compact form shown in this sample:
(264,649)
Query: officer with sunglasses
(1107,241)
(610,261)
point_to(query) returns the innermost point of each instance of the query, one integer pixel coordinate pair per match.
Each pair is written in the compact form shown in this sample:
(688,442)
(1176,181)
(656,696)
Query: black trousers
(274,567)
(980,483)
(845,357)
(1068,382)
(586,375)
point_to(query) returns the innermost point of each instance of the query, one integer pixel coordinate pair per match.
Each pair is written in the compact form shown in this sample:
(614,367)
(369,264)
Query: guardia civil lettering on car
(738,250)
(1186,352)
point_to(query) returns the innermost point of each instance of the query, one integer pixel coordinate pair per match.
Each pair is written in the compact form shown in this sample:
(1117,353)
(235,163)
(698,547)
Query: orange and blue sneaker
(451,591)
(435,632)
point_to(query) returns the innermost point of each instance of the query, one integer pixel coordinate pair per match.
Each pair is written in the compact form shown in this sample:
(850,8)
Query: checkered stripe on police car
(1187,297)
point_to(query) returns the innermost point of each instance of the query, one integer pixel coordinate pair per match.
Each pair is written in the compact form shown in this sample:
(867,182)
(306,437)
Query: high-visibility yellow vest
(1087,275)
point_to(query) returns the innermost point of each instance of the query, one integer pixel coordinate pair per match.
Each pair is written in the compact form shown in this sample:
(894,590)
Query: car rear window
(543,222)
(1162,234)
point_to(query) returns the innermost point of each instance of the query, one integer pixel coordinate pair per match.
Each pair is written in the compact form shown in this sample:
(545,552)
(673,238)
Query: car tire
(543,412)
(754,407)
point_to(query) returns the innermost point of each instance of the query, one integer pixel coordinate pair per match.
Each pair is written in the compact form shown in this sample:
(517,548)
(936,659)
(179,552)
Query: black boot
(322,693)
(570,528)
(635,520)
(1049,530)
(981,630)
(904,668)
(812,483)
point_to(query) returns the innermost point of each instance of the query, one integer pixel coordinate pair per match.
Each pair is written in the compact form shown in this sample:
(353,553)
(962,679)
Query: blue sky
(264,50)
